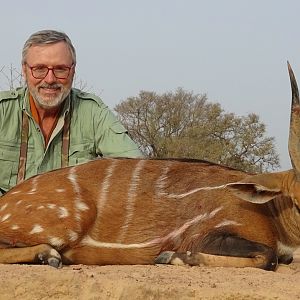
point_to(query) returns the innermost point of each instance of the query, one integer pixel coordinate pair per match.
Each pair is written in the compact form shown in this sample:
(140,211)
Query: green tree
(182,124)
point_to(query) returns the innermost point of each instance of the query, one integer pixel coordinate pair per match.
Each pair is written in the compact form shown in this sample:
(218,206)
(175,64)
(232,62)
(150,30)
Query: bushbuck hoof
(164,257)
(54,262)
(180,259)
(51,258)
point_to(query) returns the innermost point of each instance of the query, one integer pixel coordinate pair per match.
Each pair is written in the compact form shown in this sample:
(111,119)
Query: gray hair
(47,37)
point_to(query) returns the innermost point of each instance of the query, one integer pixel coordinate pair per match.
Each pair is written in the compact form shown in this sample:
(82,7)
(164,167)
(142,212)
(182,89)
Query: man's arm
(112,138)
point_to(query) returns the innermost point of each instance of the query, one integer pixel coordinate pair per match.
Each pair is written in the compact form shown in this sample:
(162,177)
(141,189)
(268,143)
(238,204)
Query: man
(48,124)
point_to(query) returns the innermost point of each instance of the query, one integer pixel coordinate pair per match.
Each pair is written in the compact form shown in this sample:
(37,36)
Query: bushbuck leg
(41,254)
(224,251)
(198,259)
(261,257)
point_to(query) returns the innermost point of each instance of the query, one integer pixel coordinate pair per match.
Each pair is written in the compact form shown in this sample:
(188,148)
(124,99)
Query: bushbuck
(143,211)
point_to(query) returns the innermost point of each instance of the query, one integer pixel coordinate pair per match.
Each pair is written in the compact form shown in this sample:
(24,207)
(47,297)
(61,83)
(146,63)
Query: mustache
(50,86)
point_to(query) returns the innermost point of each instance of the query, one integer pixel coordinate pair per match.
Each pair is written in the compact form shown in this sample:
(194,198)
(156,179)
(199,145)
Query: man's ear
(253,192)
(24,71)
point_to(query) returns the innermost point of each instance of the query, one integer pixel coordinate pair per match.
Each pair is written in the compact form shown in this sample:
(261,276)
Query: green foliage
(182,124)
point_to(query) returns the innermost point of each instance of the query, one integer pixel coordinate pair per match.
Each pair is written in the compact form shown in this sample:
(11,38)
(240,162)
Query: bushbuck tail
(143,211)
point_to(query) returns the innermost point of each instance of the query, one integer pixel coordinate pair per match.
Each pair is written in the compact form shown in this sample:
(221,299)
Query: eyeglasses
(41,71)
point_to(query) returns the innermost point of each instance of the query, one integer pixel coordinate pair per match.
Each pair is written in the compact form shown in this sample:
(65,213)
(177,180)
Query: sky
(235,51)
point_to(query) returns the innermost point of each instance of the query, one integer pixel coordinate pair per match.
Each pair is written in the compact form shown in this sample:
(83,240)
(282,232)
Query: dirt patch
(148,282)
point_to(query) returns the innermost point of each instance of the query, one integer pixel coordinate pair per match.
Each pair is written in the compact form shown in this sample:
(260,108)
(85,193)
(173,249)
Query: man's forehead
(46,53)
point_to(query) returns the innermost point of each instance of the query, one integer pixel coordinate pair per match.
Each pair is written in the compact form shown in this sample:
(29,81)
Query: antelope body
(139,211)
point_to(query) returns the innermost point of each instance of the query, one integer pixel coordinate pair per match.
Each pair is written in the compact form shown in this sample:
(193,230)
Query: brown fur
(151,216)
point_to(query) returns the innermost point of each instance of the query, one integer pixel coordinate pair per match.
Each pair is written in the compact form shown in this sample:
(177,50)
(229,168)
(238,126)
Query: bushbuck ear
(259,188)
(253,192)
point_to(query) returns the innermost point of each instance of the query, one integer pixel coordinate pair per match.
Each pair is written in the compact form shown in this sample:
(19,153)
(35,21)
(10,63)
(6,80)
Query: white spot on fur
(31,193)
(5,217)
(56,241)
(62,212)
(227,223)
(19,202)
(81,205)
(77,217)
(51,205)
(60,190)
(36,229)
(14,227)
(41,207)
(29,205)
(3,206)
(15,192)
(73,236)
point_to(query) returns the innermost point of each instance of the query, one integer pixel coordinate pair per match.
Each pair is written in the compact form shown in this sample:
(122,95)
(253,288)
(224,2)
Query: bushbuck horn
(294,137)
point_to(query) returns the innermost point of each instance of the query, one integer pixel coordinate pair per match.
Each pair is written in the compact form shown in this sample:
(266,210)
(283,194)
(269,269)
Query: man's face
(50,91)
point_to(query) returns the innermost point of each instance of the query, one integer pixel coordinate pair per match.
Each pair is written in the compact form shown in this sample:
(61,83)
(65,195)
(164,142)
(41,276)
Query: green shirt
(94,131)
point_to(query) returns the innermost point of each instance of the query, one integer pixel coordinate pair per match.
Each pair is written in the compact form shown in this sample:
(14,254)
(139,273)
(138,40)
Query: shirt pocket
(80,153)
(118,128)
(9,160)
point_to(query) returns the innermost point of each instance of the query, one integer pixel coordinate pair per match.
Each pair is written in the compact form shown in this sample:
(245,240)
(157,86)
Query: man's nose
(50,78)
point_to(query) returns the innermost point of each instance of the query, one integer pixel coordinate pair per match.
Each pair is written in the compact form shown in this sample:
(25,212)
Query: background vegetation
(182,124)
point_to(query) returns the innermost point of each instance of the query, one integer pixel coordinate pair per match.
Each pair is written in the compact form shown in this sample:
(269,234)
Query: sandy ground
(148,282)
